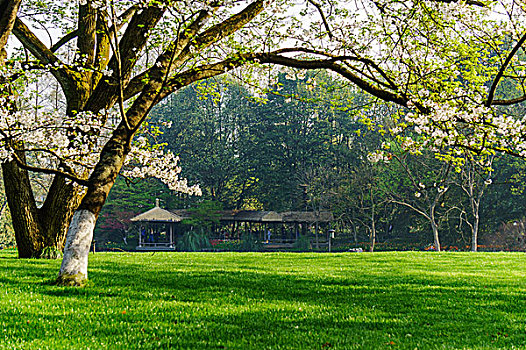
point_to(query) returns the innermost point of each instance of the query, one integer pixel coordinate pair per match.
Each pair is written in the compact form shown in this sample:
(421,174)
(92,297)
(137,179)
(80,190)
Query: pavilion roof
(250,216)
(158,214)
(307,216)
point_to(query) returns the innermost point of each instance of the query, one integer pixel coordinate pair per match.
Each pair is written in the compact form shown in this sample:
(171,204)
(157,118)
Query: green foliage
(268,301)
(193,242)
(302,244)
(229,246)
(204,215)
(308,148)
(250,244)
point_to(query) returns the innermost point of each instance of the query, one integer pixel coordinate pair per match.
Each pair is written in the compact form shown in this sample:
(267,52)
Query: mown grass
(399,300)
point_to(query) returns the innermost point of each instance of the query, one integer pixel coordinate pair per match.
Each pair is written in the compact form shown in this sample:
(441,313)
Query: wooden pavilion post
(296,230)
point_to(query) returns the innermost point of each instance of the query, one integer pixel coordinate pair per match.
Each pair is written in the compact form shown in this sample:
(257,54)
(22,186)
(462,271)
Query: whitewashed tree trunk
(74,268)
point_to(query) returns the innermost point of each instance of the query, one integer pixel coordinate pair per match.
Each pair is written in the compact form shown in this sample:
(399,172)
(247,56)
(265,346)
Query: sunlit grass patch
(268,301)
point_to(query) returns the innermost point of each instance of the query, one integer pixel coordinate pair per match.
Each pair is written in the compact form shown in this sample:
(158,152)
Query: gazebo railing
(158,244)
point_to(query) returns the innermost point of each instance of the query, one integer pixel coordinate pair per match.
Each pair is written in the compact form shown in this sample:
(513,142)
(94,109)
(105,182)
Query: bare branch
(41,52)
(411,207)
(64,40)
(49,171)
(502,69)
(323,18)
(509,102)
(469,2)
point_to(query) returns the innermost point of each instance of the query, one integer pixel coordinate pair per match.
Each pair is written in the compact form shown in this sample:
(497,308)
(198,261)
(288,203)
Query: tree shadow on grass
(208,307)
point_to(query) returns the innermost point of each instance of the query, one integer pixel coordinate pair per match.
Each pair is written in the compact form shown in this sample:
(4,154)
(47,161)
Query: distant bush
(227,245)
(250,244)
(193,242)
(302,244)
(510,236)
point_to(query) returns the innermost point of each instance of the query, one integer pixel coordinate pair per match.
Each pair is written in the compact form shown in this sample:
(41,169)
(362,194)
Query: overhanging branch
(48,171)
(500,73)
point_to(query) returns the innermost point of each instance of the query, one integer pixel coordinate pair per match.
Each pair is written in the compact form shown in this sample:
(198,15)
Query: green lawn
(401,300)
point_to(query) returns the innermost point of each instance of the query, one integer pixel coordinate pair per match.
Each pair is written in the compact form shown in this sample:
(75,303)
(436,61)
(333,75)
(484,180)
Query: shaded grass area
(397,300)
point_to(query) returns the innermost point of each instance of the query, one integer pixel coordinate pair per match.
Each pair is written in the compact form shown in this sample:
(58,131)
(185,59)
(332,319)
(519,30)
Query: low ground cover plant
(395,300)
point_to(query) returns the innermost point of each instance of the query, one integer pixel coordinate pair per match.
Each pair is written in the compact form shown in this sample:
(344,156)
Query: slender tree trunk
(474,234)
(317,232)
(373,226)
(373,232)
(436,239)
(434,226)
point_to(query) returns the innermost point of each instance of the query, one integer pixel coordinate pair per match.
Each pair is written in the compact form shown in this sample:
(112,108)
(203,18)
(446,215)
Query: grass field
(405,300)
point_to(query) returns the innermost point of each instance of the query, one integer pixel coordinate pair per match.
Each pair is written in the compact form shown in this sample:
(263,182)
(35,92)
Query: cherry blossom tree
(441,61)
(126,63)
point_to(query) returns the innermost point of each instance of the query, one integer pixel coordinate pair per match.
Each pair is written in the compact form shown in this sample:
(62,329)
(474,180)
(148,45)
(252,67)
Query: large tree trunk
(24,212)
(57,212)
(74,268)
(37,229)
(8,12)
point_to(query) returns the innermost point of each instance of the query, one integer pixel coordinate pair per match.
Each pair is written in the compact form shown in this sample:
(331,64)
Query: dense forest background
(310,144)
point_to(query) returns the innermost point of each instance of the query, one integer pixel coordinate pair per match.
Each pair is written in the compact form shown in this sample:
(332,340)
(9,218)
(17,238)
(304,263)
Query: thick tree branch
(503,67)
(41,52)
(48,171)
(509,102)
(344,72)
(210,70)
(367,61)
(165,62)
(9,10)
(228,26)
(86,27)
(64,40)
(124,18)
(131,44)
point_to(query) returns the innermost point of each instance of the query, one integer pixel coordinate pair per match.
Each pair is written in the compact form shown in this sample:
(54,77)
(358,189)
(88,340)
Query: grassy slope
(269,301)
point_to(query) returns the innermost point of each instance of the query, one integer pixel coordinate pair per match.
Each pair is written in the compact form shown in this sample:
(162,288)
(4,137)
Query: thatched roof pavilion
(285,226)
(307,216)
(157,214)
(250,216)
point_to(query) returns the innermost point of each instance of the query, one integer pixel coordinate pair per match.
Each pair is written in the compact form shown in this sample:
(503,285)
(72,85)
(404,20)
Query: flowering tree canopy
(449,65)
